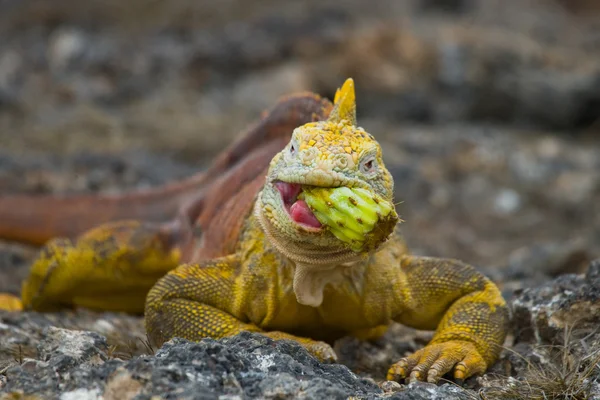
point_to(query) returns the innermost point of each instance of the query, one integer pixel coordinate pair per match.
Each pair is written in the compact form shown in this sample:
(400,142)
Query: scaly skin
(270,274)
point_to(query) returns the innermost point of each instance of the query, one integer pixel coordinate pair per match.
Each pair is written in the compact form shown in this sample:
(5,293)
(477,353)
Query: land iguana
(263,262)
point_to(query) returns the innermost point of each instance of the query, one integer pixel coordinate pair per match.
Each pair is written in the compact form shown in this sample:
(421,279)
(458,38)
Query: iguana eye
(292,149)
(368,166)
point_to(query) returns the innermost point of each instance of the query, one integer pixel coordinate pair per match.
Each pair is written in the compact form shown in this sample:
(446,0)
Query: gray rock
(23,334)
(65,359)
(537,263)
(65,46)
(74,365)
(250,365)
(429,391)
(76,346)
(541,315)
(557,342)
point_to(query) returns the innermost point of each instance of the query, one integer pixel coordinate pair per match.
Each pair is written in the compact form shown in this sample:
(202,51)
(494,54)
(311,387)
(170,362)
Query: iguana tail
(36,219)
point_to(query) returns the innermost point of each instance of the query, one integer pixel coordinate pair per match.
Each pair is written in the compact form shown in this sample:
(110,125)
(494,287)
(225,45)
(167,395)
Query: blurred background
(488,111)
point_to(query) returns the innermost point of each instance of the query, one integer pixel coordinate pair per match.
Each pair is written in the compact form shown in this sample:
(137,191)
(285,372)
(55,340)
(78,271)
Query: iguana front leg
(468,310)
(196,301)
(111,267)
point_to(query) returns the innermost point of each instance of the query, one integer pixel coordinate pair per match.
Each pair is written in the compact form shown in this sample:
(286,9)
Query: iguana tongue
(301,214)
(298,209)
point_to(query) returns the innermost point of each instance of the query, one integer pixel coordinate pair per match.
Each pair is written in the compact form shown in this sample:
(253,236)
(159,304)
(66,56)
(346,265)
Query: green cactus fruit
(358,217)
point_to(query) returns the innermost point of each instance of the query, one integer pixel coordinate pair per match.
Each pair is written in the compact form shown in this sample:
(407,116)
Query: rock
(549,259)
(74,365)
(122,385)
(75,346)
(532,265)
(542,314)
(65,46)
(419,390)
(250,365)
(507,202)
(556,341)
(373,358)
(428,391)
(22,334)
(391,387)
(60,353)
(245,365)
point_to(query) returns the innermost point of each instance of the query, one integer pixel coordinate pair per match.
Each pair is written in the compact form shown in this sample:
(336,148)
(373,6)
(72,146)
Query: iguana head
(327,154)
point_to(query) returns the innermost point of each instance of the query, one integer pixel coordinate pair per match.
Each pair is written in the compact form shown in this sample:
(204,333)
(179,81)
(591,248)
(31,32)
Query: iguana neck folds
(315,266)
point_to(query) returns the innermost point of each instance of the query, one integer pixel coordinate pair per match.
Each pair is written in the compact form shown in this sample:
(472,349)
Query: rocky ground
(555,354)
(489,114)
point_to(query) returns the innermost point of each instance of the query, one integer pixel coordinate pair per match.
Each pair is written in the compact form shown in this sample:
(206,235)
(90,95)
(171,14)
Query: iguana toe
(322,351)
(472,364)
(401,369)
(8,302)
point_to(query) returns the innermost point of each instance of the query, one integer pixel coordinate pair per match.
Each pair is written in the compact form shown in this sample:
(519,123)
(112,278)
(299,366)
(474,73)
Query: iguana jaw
(293,220)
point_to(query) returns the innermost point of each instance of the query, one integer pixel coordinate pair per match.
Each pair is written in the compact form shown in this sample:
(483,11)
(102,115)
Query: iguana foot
(321,350)
(435,360)
(8,302)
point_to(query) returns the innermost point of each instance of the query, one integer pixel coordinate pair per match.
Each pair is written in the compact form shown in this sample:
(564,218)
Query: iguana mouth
(298,210)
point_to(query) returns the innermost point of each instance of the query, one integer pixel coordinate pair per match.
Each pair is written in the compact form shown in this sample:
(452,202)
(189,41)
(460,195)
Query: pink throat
(297,209)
